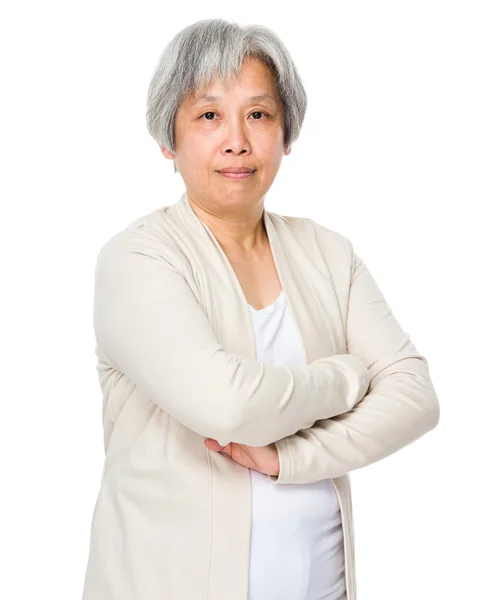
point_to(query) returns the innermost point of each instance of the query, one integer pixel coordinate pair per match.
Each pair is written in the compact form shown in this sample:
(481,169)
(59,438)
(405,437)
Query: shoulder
(147,234)
(311,234)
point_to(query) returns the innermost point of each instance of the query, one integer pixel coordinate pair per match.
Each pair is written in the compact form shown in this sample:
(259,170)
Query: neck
(238,233)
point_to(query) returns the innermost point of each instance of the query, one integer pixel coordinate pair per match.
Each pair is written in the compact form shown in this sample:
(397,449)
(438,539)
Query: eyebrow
(257,98)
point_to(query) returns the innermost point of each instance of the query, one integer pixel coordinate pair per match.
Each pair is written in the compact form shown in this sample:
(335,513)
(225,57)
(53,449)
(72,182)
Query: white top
(297,548)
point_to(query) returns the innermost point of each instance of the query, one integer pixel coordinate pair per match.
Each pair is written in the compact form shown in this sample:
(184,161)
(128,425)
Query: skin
(233,131)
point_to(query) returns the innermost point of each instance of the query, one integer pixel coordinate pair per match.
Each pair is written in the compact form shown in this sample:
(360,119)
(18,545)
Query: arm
(150,326)
(401,404)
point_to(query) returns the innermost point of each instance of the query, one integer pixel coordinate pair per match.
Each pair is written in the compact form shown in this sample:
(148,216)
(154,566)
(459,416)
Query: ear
(287,151)
(167,153)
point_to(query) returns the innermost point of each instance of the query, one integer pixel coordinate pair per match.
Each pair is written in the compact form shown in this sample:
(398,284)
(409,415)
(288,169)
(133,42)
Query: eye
(259,112)
(211,112)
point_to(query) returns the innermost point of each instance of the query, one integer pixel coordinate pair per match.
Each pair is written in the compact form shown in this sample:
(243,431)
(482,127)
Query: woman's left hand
(263,458)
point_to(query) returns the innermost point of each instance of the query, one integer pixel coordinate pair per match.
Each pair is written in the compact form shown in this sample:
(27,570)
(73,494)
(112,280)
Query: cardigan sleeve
(149,326)
(400,406)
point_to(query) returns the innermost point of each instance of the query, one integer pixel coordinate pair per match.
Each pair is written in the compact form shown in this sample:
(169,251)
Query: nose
(236,140)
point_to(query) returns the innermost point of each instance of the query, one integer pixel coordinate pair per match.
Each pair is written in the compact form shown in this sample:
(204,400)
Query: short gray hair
(216,48)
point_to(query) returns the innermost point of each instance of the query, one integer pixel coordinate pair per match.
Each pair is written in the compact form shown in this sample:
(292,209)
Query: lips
(236,170)
(241,175)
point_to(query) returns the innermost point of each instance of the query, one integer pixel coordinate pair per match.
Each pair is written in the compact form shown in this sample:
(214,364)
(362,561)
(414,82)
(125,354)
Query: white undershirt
(296,538)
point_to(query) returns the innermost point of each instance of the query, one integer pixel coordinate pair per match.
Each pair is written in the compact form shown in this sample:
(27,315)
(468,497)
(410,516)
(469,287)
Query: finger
(213,445)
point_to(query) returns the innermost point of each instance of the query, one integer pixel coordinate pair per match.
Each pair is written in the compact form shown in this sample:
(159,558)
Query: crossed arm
(335,415)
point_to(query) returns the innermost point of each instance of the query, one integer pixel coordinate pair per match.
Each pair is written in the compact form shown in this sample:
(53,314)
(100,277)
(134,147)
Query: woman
(248,361)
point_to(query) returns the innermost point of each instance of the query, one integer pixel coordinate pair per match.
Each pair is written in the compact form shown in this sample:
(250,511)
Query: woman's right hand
(264,459)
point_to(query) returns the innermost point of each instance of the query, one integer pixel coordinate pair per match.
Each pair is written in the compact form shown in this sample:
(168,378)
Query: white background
(395,153)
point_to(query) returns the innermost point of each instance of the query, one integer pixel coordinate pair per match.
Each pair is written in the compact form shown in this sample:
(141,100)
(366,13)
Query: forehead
(255,79)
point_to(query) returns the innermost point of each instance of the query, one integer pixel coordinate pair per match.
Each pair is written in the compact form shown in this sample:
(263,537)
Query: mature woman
(248,361)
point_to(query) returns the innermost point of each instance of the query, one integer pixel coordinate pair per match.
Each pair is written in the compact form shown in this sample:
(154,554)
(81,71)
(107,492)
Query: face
(233,130)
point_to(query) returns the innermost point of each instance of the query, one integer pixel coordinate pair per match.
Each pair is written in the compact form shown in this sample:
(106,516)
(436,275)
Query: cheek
(272,142)
(193,152)
(200,146)
(270,154)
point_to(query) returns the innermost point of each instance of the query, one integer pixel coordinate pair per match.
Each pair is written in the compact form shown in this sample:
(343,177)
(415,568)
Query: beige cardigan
(177,363)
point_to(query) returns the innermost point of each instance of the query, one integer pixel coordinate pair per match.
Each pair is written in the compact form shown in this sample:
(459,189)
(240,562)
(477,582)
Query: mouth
(230,175)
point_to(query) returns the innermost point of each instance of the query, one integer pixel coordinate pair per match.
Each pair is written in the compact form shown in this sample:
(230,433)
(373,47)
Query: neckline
(276,305)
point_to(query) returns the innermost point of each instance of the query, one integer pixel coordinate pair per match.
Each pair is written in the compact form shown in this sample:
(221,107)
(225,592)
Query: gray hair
(216,48)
